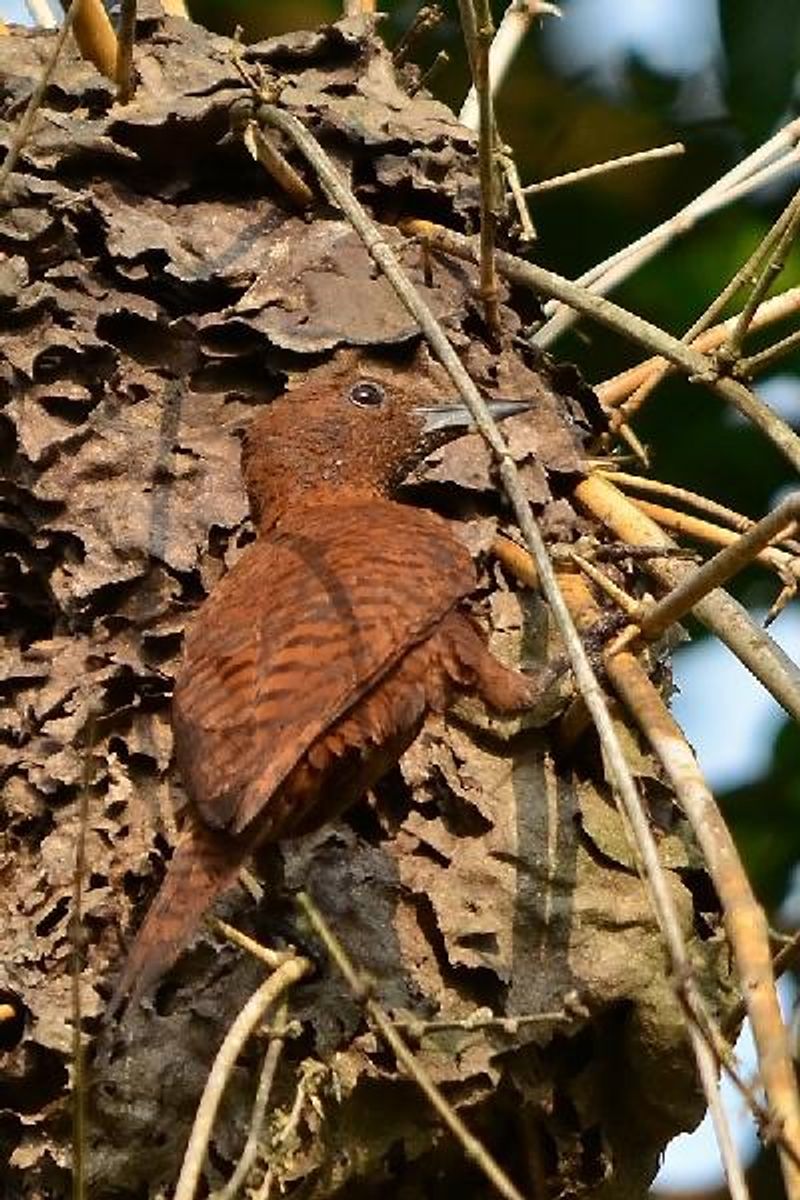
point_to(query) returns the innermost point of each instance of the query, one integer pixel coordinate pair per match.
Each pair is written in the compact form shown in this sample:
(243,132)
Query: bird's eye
(367,394)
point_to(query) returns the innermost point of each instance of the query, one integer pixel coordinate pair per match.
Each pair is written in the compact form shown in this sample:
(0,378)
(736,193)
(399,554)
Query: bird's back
(308,621)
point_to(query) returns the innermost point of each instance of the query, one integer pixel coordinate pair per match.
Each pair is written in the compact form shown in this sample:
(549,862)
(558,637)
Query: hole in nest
(573,1053)
(363,818)
(56,914)
(705,901)
(393,798)
(481,943)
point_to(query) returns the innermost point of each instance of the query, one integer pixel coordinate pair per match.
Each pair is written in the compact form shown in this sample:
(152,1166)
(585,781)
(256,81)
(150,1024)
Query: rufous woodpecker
(310,668)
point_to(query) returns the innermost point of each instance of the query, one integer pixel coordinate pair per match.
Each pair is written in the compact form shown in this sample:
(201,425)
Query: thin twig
(383,1023)
(747,367)
(126,37)
(515,24)
(604,168)
(728,1150)
(527,231)
(441,59)
(418,1028)
(757,264)
(698,367)
(632,608)
(719,612)
(427,18)
(785,565)
(246,1022)
(23,130)
(271,958)
(477,27)
(774,250)
(787,959)
(618,390)
(719,569)
(740,181)
(266,1079)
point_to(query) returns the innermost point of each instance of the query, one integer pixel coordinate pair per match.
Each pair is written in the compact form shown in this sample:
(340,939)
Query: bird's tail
(204,864)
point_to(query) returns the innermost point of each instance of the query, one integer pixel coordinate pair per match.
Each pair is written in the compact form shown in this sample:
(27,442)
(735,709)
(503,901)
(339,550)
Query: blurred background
(608,78)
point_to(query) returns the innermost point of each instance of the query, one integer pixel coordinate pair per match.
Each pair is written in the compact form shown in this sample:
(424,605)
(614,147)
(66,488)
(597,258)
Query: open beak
(456,418)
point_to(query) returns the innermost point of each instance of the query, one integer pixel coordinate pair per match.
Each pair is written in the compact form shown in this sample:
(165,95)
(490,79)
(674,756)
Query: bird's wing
(305,623)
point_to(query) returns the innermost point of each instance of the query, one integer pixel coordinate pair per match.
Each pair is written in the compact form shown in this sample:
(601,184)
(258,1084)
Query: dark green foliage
(766,816)
(762,55)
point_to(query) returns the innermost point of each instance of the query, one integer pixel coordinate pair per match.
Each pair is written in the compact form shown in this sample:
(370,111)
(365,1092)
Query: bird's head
(358,424)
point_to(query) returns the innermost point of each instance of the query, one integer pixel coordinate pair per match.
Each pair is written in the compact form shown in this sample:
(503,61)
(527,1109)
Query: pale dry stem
(266,1079)
(244,1025)
(580,174)
(776,155)
(516,22)
(270,958)
(477,28)
(417,1028)
(711,508)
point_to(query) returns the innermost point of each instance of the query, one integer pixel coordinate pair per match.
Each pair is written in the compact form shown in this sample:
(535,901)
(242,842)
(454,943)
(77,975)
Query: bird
(311,666)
